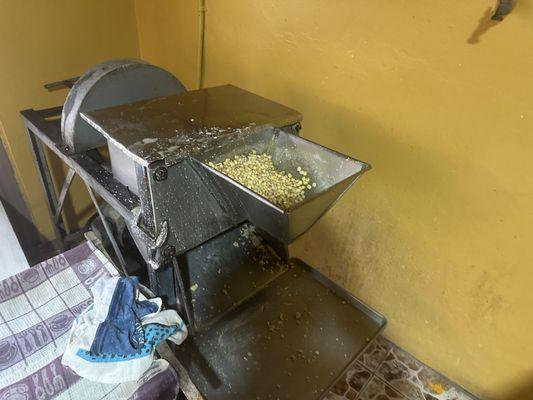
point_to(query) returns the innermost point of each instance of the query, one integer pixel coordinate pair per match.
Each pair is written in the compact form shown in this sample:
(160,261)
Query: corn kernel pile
(258,173)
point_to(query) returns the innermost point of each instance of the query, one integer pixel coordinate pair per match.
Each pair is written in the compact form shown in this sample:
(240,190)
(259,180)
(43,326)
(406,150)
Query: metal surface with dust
(187,202)
(202,202)
(173,127)
(109,84)
(227,270)
(289,341)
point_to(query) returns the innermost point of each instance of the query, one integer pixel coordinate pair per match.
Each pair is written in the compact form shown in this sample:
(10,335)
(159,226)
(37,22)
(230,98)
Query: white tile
(14,373)
(24,322)
(36,361)
(64,280)
(48,353)
(4,331)
(15,307)
(51,308)
(75,296)
(41,294)
(80,389)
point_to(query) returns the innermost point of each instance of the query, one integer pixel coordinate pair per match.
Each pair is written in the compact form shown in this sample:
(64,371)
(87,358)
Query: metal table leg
(108,231)
(39,157)
(63,194)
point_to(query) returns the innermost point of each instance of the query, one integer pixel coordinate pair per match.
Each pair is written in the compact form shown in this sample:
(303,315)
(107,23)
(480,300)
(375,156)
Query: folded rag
(121,332)
(114,339)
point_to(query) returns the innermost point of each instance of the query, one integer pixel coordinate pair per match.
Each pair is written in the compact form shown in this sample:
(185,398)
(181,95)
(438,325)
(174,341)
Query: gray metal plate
(176,126)
(227,270)
(109,84)
(186,202)
(292,340)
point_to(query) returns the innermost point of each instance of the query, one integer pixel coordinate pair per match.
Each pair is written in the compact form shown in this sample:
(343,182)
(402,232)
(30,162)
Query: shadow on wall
(491,18)
(26,232)
(14,204)
(485,23)
(523,393)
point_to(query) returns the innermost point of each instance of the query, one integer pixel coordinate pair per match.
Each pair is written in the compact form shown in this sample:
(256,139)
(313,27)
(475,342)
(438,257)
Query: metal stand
(63,194)
(45,177)
(109,232)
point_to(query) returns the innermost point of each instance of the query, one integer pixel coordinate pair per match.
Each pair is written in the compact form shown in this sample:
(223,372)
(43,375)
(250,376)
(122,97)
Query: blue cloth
(121,332)
(155,334)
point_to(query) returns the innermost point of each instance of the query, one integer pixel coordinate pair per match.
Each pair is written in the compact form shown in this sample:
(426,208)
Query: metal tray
(291,340)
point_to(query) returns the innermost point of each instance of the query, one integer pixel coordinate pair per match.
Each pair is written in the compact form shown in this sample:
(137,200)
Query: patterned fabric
(121,332)
(154,335)
(37,308)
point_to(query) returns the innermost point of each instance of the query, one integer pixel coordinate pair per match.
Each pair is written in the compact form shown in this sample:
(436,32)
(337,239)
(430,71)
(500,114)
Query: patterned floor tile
(401,373)
(386,372)
(416,380)
(379,390)
(375,353)
(351,384)
(358,376)
(340,389)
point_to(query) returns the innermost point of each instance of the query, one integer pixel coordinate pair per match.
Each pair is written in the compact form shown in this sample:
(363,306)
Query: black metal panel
(292,340)
(179,196)
(227,270)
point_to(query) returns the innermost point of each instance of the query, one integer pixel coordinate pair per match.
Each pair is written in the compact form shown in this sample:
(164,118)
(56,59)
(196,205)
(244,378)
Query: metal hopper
(332,172)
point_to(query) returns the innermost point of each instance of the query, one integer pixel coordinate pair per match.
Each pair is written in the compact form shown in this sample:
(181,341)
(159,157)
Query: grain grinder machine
(263,325)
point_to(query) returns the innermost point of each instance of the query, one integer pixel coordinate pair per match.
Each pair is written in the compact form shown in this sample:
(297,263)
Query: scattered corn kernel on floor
(386,372)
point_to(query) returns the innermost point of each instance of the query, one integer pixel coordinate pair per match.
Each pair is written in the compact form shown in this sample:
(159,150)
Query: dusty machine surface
(264,326)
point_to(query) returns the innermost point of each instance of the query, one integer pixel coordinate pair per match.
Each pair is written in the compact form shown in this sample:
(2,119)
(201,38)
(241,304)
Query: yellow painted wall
(168,36)
(44,41)
(438,235)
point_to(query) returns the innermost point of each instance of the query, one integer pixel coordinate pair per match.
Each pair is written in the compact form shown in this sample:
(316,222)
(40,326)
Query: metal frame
(109,232)
(63,194)
(45,177)
(42,127)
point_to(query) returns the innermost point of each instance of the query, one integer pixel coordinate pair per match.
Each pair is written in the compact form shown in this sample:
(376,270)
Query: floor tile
(358,376)
(416,380)
(375,353)
(349,386)
(333,396)
(376,389)
(341,387)
(401,373)
(384,372)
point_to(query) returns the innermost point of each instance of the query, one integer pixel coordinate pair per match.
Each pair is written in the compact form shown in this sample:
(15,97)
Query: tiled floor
(386,372)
